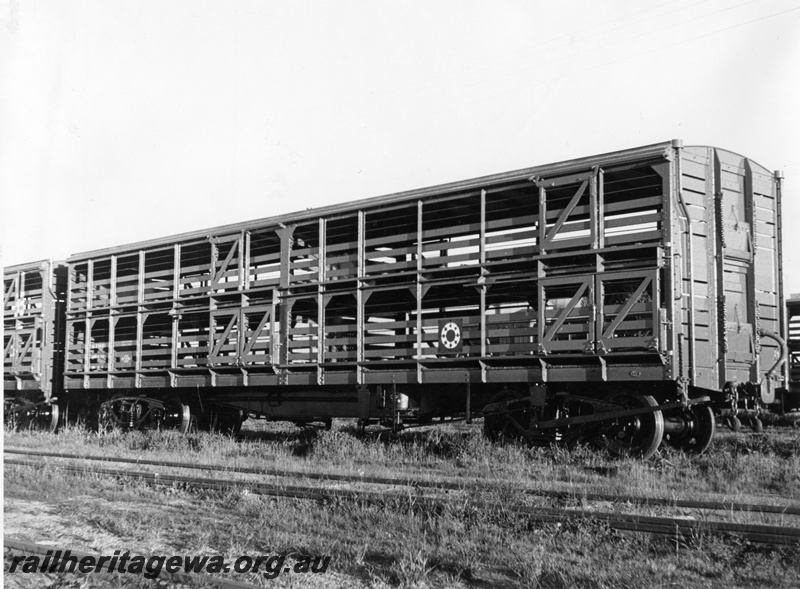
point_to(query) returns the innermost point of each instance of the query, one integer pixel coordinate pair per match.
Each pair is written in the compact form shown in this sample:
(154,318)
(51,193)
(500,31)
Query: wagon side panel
(32,295)
(194,313)
(553,274)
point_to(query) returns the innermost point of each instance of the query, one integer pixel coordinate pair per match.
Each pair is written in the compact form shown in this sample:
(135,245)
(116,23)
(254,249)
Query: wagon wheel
(177,415)
(637,436)
(23,414)
(47,417)
(504,428)
(697,433)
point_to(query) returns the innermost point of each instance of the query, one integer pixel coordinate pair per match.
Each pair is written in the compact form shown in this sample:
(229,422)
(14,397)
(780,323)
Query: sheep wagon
(625,298)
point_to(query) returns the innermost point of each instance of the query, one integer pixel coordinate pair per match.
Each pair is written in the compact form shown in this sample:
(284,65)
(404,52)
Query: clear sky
(125,121)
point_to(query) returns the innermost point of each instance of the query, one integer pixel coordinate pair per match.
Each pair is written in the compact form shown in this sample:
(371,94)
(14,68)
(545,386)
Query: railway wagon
(624,297)
(792,398)
(33,324)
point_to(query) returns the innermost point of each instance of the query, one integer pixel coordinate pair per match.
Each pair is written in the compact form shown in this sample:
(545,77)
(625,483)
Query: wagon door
(739,277)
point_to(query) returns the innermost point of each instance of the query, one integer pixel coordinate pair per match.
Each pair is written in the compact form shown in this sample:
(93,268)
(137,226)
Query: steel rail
(440,484)
(43,549)
(674,527)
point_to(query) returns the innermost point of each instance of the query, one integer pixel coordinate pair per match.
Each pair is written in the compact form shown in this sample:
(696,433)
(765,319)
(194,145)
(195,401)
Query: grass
(406,544)
(393,544)
(743,466)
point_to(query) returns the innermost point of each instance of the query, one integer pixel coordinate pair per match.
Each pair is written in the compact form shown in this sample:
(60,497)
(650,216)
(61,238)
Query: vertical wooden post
(139,320)
(321,254)
(89,285)
(542,217)
(87,342)
(419,290)
(140,279)
(483,273)
(244,259)
(176,273)
(70,286)
(113,285)
(360,301)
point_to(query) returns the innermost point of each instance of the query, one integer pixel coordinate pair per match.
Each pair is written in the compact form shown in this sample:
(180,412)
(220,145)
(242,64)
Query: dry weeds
(406,545)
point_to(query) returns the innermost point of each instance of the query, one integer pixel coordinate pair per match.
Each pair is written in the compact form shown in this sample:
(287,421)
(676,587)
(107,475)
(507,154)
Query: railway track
(17,545)
(447,485)
(676,527)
